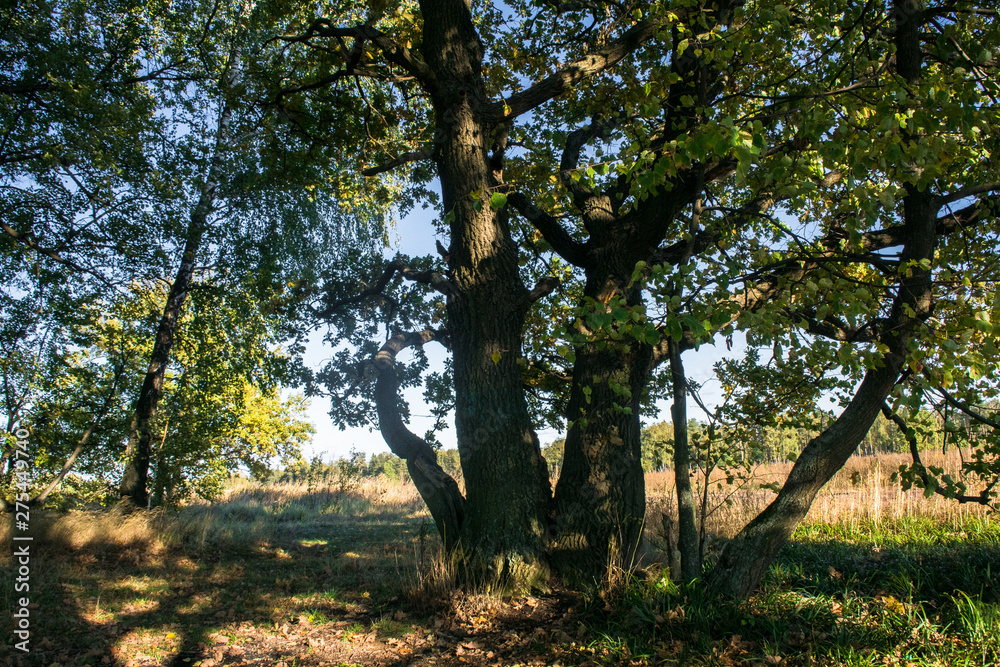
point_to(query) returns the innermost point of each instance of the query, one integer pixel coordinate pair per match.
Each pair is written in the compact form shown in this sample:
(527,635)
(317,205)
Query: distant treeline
(748,444)
(356,466)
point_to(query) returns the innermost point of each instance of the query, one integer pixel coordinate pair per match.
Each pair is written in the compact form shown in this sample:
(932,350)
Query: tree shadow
(204,600)
(59,632)
(920,593)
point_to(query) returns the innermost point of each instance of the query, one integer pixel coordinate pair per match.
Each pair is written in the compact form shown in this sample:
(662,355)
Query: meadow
(351,574)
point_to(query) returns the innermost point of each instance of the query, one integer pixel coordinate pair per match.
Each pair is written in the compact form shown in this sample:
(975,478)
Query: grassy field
(351,575)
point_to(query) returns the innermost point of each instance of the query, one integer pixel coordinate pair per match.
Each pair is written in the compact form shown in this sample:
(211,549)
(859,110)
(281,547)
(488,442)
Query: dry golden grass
(102,536)
(278,565)
(862,491)
(248,514)
(377,491)
(251,513)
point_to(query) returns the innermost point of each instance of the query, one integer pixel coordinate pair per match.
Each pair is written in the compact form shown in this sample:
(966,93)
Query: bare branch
(48,252)
(965,408)
(82,444)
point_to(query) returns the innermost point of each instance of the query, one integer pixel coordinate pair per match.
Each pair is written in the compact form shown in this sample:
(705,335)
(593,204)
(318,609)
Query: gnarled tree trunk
(436,487)
(507,490)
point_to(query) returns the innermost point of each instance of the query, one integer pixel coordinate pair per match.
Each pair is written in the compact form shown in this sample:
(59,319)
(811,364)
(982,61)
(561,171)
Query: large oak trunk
(507,490)
(601,495)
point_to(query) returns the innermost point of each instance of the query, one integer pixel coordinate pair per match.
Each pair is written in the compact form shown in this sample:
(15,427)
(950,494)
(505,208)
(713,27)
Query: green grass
(911,593)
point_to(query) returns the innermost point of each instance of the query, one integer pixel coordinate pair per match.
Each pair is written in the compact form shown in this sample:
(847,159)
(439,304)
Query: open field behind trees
(350,572)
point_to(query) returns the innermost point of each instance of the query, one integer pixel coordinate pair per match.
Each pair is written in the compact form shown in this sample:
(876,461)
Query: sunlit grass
(913,583)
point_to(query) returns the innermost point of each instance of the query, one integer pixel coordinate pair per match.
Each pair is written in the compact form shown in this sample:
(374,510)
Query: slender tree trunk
(745,559)
(81,445)
(134,480)
(134,483)
(687,538)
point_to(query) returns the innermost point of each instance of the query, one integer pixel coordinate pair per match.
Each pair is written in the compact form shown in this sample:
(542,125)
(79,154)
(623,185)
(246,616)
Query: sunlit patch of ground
(243,583)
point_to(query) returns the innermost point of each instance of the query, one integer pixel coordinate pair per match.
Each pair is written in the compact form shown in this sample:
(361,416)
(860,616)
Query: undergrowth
(911,592)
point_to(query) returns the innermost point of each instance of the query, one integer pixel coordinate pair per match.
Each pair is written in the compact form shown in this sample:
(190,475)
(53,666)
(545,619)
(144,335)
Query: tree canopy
(621,184)
(612,185)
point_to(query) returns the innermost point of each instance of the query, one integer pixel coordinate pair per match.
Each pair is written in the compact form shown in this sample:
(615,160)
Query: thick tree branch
(562,81)
(881,239)
(436,487)
(394,52)
(403,443)
(542,288)
(834,330)
(554,234)
(971,191)
(571,157)
(405,158)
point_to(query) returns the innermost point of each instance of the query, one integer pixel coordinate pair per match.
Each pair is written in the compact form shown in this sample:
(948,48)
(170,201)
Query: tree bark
(507,488)
(601,495)
(745,559)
